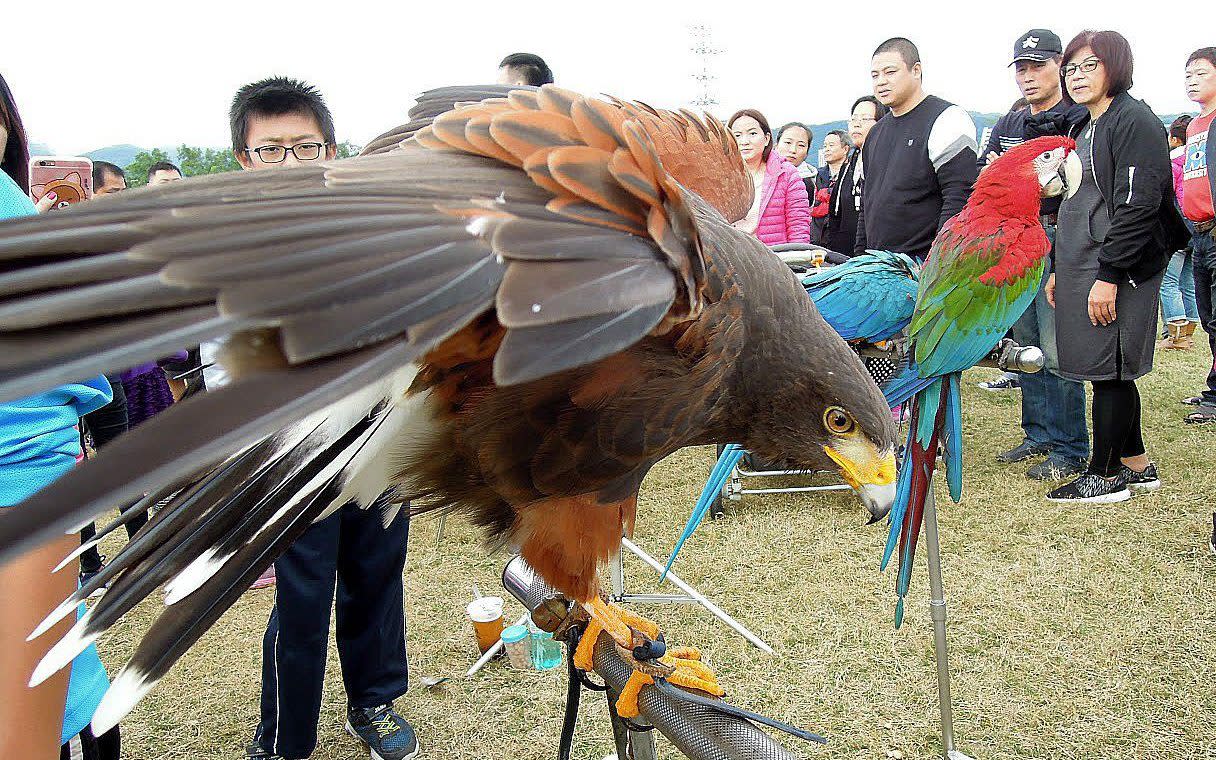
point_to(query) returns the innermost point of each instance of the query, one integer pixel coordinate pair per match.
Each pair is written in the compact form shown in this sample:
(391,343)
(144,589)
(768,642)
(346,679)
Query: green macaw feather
(957,313)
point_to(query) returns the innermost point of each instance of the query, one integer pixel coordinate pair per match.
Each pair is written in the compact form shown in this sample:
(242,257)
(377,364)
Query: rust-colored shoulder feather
(614,164)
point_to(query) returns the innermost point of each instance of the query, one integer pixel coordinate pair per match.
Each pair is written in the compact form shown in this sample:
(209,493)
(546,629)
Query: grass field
(1075,632)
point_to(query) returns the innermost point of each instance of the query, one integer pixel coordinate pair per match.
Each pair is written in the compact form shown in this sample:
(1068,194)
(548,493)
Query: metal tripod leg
(616,575)
(630,744)
(937,611)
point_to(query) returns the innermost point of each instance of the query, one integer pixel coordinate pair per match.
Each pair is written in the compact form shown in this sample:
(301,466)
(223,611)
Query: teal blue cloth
(39,442)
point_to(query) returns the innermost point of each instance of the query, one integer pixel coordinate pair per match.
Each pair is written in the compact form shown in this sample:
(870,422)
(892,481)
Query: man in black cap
(1053,408)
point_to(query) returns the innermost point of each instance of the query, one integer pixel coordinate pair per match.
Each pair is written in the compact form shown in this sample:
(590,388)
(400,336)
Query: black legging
(1116,415)
(106,424)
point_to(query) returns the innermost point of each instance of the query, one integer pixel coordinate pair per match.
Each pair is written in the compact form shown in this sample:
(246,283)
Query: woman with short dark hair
(1116,232)
(845,201)
(781,208)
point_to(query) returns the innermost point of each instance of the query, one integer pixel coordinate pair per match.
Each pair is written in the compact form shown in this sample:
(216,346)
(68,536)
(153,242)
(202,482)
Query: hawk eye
(838,421)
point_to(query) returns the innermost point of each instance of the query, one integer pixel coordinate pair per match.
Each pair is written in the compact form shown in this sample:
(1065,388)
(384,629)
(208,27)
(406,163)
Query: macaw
(868,298)
(984,268)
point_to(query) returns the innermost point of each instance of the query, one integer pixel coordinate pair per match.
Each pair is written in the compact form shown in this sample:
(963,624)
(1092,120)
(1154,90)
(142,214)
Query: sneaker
(1091,489)
(1024,450)
(1145,480)
(86,576)
(386,734)
(267,578)
(1002,383)
(1193,400)
(1204,414)
(1057,468)
(255,752)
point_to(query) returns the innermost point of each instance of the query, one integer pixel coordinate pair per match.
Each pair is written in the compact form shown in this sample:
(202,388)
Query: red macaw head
(1047,164)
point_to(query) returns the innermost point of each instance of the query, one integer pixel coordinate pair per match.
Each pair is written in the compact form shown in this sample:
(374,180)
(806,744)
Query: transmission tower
(703,49)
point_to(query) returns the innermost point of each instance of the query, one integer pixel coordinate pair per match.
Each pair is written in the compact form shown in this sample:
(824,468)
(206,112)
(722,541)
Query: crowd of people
(1133,244)
(1122,256)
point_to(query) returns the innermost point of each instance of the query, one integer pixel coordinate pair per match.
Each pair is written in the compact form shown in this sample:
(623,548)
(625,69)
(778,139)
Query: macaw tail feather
(905,384)
(725,465)
(935,418)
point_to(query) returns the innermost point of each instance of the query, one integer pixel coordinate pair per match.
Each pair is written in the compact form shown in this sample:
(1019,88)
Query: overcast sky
(88,74)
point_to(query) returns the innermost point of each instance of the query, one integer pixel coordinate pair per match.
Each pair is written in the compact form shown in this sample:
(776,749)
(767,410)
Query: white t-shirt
(213,374)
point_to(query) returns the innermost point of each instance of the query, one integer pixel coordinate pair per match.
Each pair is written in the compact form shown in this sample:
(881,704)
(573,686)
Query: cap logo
(1030,42)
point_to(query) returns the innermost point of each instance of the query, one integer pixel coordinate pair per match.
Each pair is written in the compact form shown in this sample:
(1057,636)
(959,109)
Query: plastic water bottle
(546,653)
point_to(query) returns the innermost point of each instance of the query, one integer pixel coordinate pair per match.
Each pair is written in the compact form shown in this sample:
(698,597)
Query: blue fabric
(13,202)
(39,442)
(1053,407)
(1178,289)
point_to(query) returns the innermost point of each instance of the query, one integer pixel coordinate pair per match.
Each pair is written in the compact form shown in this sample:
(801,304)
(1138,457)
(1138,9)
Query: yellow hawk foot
(680,666)
(687,672)
(619,623)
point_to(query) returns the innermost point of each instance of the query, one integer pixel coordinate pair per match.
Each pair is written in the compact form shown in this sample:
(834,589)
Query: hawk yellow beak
(868,471)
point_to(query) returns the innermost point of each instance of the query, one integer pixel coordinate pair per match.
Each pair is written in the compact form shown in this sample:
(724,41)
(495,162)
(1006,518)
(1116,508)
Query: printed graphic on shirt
(953,132)
(1196,157)
(1196,190)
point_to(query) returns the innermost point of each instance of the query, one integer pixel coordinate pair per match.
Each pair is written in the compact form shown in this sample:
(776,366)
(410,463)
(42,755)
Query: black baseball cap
(1037,45)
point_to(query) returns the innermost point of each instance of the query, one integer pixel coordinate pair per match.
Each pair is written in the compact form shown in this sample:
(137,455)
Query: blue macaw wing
(870,297)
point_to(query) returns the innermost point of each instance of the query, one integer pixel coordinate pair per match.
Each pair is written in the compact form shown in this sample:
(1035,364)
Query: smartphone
(69,177)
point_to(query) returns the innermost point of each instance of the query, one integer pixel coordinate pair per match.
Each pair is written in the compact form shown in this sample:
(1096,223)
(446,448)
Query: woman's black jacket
(1131,160)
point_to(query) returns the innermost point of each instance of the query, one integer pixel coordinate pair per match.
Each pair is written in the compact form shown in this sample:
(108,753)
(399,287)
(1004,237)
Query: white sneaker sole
(1152,485)
(1107,498)
(374,754)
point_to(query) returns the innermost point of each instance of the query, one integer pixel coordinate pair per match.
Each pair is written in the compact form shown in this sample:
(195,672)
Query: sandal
(1202,415)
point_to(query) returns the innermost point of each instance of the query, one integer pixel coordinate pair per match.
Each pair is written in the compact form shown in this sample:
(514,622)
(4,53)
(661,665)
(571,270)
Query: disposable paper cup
(486,615)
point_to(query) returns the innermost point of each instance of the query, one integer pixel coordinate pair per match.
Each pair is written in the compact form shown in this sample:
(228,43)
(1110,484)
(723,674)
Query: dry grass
(1075,632)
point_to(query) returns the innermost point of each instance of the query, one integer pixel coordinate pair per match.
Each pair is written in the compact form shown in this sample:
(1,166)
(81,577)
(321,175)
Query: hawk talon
(687,672)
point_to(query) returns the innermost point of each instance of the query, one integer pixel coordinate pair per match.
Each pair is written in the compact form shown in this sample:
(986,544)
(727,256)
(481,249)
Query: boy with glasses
(279,123)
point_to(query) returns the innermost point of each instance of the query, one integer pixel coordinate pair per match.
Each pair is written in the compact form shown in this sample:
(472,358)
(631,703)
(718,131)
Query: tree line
(195,161)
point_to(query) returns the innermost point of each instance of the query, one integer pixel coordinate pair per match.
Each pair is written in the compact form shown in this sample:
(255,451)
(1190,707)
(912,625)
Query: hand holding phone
(64,180)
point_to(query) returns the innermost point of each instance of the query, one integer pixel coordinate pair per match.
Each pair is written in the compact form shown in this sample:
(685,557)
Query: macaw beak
(870,472)
(1070,174)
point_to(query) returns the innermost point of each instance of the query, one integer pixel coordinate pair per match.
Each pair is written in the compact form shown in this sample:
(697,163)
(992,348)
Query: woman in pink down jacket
(781,210)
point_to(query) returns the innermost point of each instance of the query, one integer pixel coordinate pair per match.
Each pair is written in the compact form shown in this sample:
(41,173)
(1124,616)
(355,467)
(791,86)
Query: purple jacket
(143,369)
(785,209)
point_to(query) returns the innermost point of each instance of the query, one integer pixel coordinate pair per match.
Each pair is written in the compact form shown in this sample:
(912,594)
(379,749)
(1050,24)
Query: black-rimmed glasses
(1088,66)
(275,154)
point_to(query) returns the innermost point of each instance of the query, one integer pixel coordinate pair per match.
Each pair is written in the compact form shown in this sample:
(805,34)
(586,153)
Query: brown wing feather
(702,159)
(280,247)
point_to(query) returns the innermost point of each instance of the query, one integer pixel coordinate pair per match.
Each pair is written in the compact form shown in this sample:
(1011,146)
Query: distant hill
(982,122)
(120,155)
